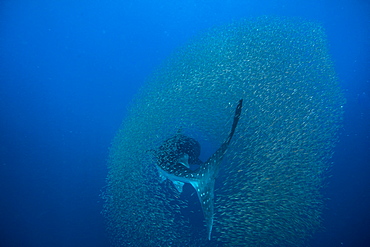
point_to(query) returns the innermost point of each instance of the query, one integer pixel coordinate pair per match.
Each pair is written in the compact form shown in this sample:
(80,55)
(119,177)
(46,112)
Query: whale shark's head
(175,148)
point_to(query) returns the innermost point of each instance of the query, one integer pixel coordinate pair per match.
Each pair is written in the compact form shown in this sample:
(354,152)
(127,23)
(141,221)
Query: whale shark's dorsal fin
(184,160)
(202,179)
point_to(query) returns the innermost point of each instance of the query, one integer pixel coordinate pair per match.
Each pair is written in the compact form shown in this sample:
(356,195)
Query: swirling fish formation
(268,189)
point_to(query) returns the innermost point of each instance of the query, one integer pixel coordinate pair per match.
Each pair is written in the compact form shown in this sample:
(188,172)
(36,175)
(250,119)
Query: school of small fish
(268,192)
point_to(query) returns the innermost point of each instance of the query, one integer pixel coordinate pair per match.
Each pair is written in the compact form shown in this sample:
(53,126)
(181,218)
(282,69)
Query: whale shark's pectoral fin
(162,178)
(178,185)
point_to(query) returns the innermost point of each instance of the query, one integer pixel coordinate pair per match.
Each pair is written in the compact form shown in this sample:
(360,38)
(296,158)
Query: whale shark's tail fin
(208,172)
(238,111)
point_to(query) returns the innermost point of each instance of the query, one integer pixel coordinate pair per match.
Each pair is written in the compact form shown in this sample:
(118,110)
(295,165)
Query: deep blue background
(68,70)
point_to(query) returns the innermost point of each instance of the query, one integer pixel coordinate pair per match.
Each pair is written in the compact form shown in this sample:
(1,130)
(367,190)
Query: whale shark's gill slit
(173,164)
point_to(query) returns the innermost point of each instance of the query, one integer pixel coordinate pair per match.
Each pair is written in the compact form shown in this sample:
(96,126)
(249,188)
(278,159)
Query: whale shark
(175,157)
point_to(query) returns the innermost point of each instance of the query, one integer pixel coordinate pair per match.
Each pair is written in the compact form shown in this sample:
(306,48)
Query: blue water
(69,69)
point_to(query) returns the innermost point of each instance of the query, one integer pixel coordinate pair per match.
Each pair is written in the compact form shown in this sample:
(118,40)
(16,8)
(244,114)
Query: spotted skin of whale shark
(202,179)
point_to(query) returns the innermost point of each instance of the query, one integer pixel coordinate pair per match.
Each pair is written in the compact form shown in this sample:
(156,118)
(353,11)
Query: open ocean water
(69,71)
